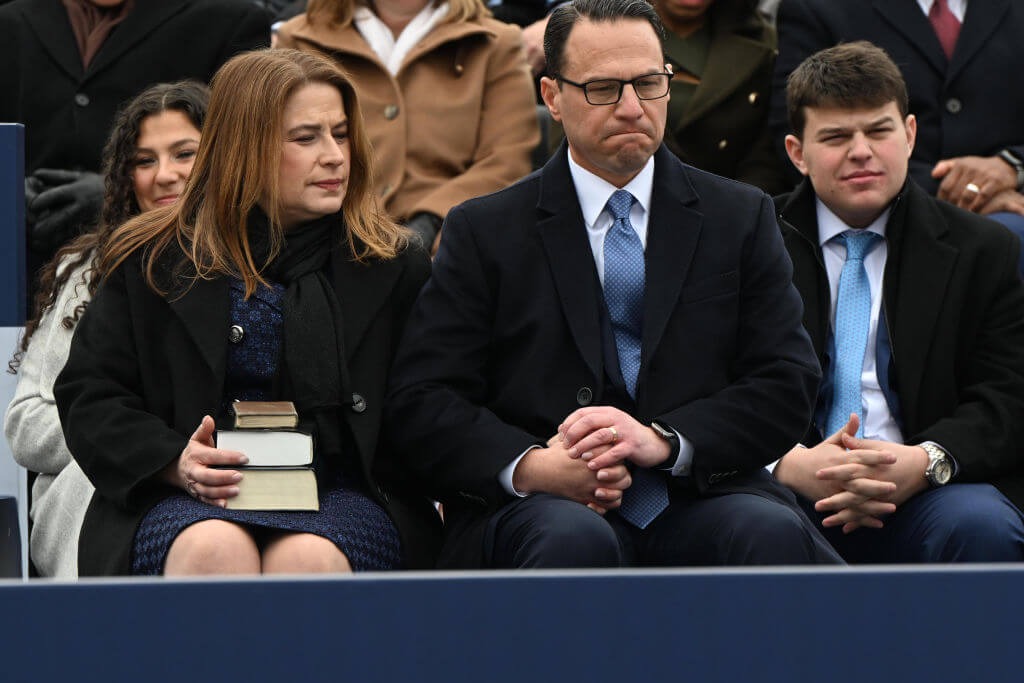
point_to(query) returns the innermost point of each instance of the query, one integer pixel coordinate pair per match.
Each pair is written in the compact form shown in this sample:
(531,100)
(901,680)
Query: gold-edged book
(265,414)
(279,475)
(276,488)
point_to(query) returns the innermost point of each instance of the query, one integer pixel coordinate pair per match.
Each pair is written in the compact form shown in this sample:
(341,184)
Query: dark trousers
(544,531)
(955,523)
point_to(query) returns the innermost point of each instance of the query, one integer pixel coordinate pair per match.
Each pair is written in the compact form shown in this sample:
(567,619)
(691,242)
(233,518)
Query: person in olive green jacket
(722,53)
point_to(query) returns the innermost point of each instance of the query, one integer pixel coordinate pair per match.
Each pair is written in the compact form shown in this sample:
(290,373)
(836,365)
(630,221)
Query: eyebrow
(887,119)
(314,127)
(174,145)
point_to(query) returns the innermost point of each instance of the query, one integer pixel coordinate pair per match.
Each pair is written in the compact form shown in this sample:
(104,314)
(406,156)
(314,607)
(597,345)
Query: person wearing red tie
(958,58)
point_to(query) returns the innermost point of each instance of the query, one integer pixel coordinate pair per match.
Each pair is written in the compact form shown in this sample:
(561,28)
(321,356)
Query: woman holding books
(276,277)
(147,159)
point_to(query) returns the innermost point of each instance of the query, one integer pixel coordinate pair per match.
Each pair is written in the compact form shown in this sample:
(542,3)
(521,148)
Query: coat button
(358,403)
(722,144)
(235,334)
(584,396)
(82,100)
(752,98)
(390,112)
(953,105)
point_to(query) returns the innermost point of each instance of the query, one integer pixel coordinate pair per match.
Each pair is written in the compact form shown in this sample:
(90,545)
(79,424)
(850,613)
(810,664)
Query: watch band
(673,441)
(940,465)
(1017,163)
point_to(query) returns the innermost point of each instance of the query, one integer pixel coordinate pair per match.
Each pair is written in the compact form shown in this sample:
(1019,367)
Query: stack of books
(279,475)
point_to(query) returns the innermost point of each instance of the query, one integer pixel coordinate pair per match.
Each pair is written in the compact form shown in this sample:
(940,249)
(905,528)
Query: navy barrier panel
(885,624)
(12,225)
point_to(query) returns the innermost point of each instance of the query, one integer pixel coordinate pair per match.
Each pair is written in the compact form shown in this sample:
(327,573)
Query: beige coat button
(752,98)
(722,144)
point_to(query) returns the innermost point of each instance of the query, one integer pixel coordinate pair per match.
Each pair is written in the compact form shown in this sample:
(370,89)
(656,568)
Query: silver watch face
(941,472)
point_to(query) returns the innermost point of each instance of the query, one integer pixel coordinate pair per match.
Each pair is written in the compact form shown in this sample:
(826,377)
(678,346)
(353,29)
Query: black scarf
(313,372)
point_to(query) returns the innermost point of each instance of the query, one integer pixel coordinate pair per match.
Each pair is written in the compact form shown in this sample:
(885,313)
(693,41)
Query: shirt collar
(830,225)
(957,7)
(593,192)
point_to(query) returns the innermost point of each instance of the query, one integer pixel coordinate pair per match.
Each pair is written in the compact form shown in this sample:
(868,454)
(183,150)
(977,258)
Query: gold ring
(615,434)
(971,187)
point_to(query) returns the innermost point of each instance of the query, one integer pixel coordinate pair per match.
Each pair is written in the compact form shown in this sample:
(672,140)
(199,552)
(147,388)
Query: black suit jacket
(68,110)
(972,104)
(954,310)
(505,340)
(143,370)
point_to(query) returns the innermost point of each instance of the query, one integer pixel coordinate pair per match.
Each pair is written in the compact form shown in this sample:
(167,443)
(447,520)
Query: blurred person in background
(446,93)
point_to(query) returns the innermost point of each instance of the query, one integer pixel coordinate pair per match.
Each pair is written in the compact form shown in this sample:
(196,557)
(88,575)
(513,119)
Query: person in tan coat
(446,92)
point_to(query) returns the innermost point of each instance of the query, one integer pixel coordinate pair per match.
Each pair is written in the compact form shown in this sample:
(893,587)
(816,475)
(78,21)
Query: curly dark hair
(119,202)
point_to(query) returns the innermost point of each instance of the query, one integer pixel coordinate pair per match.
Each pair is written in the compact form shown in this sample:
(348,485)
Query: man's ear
(795,150)
(551,95)
(911,126)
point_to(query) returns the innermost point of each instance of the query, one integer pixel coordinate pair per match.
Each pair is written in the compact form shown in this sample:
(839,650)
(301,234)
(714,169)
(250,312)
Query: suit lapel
(981,20)
(799,222)
(920,264)
(49,21)
(144,18)
(567,247)
(673,230)
(204,311)
(362,290)
(906,18)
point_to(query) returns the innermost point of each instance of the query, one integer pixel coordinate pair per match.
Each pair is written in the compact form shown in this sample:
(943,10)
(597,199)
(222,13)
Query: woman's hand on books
(200,469)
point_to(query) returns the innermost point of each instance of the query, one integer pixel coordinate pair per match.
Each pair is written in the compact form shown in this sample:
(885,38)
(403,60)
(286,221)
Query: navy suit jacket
(972,104)
(505,339)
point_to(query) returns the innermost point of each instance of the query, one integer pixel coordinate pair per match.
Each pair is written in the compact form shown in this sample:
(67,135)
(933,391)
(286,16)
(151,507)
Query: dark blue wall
(12,224)
(860,625)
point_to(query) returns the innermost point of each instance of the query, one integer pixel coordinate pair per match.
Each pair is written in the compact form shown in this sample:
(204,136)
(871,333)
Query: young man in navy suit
(609,352)
(916,312)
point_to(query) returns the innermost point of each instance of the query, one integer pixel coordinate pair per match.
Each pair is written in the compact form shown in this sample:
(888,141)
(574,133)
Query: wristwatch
(940,465)
(1018,166)
(673,441)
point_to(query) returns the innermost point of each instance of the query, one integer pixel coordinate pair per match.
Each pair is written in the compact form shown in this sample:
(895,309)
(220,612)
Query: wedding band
(971,187)
(615,434)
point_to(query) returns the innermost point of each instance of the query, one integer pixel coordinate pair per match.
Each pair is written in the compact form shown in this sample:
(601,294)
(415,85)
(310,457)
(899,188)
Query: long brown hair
(237,165)
(340,12)
(119,201)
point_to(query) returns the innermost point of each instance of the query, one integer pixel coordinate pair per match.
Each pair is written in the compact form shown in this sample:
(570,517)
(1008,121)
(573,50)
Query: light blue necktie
(853,320)
(624,280)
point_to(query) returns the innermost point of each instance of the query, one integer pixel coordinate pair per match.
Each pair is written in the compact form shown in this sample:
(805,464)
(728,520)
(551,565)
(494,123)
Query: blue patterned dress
(354,522)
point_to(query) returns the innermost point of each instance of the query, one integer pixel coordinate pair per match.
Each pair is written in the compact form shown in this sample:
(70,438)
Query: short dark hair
(850,76)
(565,17)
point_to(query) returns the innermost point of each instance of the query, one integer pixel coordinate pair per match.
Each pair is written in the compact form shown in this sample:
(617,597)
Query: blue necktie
(624,279)
(853,320)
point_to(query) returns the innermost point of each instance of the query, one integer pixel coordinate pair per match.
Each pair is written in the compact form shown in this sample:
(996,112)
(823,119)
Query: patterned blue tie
(624,279)
(853,320)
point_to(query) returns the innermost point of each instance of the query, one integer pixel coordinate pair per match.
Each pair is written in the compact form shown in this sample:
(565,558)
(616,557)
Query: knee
(303,554)
(982,526)
(213,547)
(560,534)
(775,535)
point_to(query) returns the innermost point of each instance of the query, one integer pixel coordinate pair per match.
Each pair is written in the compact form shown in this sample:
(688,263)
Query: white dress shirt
(957,7)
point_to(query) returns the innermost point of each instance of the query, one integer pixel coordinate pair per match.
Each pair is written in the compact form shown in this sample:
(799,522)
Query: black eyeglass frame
(622,86)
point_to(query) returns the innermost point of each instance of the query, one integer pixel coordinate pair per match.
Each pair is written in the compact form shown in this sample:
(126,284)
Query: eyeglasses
(609,90)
